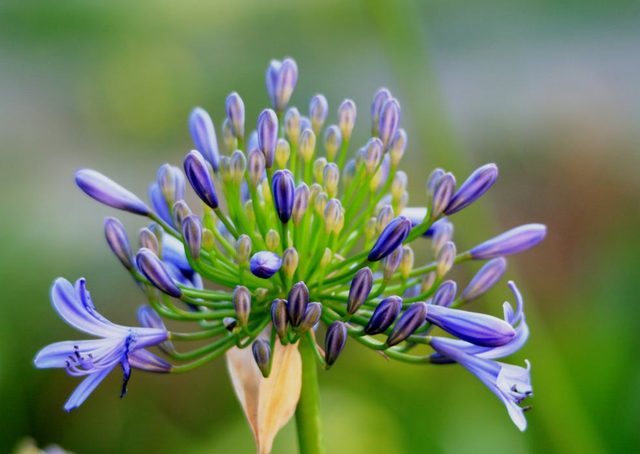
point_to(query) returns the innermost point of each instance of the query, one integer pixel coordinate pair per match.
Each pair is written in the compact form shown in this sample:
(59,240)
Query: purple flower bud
(297,303)
(283,194)
(442,194)
(442,234)
(381,97)
(318,108)
(200,178)
(268,135)
(511,242)
(392,262)
(486,278)
(347,118)
(446,258)
(373,155)
(433,182)
(398,146)
(155,271)
(229,136)
(360,288)
(281,80)
(265,264)
(171,183)
(159,203)
(300,203)
(445,294)
(391,237)
(292,125)
(235,112)
(237,166)
(204,136)
(242,304)
(332,141)
(409,321)
(256,166)
(311,317)
(384,315)
(192,234)
(279,317)
(149,241)
(389,121)
(243,249)
(180,211)
(334,342)
(107,191)
(116,236)
(262,354)
(476,185)
(479,329)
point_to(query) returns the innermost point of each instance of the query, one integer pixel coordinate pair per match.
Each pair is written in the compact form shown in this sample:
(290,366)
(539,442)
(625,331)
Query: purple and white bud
(446,259)
(445,294)
(409,321)
(242,304)
(381,97)
(256,167)
(486,278)
(320,204)
(385,216)
(171,183)
(384,315)
(307,145)
(331,178)
(154,270)
(510,242)
(204,136)
(290,259)
(318,109)
(361,286)
(332,213)
(268,135)
(235,113)
(442,234)
(192,234)
(243,249)
(237,166)
(149,240)
(199,176)
(471,190)
(442,195)
(391,263)
(229,137)
(107,191)
(373,155)
(311,317)
(318,169)
(332,142)
(389,121)
(285,83)
(397,147)
(432,183)
(391,237)
(118,241)
(262,355)
(283,194)
(180,211)
(279,317)
(265,264)
(347,118)
(479,329)
(335,341)
(292,127)
(300,203)
(297,303)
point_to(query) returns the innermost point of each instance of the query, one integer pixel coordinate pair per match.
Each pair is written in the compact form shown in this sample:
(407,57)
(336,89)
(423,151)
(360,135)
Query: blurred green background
(547,90)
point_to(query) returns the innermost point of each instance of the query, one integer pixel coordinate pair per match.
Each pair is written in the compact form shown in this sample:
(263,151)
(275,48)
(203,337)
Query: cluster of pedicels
(303,240)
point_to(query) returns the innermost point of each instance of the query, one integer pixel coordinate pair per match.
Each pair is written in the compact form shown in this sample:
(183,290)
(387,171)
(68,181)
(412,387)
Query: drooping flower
(95,359)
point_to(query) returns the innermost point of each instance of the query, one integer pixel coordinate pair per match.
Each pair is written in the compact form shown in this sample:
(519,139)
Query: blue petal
(85,389)
(160,204)
(57,355)
(145,360)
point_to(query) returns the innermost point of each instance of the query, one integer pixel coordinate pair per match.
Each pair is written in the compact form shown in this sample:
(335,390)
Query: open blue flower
(96,358)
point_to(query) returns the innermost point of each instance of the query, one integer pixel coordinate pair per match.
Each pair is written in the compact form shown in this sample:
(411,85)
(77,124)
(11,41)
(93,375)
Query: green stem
(308,419)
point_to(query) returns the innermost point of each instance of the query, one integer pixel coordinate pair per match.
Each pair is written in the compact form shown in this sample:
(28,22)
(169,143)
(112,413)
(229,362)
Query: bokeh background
(548,90)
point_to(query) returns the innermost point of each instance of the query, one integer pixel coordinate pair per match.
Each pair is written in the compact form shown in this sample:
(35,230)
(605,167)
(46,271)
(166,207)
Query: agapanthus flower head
(300,239)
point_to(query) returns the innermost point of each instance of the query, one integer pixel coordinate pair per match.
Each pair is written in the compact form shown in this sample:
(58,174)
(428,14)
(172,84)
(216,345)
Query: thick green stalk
(308,419)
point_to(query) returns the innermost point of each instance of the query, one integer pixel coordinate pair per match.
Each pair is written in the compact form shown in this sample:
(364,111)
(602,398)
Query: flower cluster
(292,240)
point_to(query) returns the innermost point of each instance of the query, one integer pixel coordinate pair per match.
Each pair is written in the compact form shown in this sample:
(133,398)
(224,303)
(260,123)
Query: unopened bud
(446,257)
(332,142)
(318,108)
(283,152)
(272,240)
(290,260)
(262,355)
(243,249)
(318,169)
(347,118)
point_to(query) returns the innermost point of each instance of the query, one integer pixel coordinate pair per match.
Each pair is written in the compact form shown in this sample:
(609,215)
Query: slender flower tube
(204,136)
(511,242)
(155,271)
(384,315)
(283,194)
(96,358)
(200,178)
(409,321)
(391,237)
(479,329)
(359,291)
(268,135)
(118,241)
(472,189)
(265,264)
(297,303)
(486,278)
(335,341)
(107,191)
